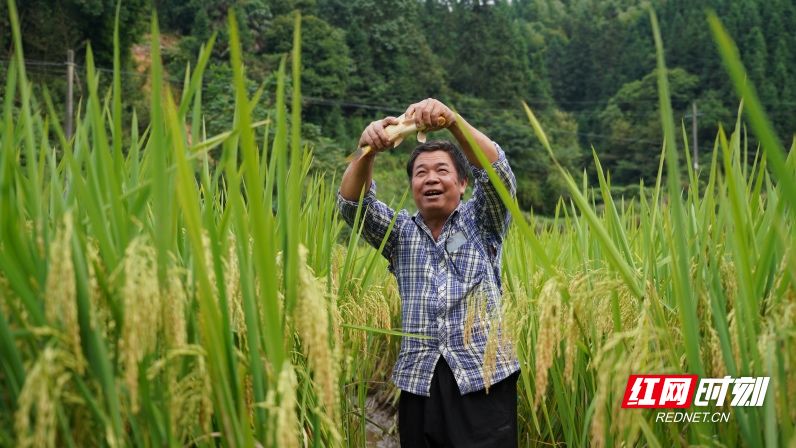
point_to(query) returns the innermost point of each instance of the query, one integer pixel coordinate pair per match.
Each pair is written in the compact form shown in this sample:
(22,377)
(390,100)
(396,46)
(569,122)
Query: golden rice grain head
(101,317)
(571,340)
(311,317)
(174,304)
(516,318)
(598,423)
(588,295)
(335,317)
(205,393)
(634,350)
(189,406)
(603,410)
(5,295)
(287,424)
(510,315)
(354,309)
(84,426)
(592,294)
(612,366)
(375,308)
(537,281)
(190,395)
(141,297)
(716,366)
(169,376)
(392,295)
(209,268)
(233,290)
(628,304)
(44,385)
(498,347)
(729,283)
(475,316)
(549,334)
(733,331)
(60,287)
(647,354)
(504,344)
(469,320)
(489,362)
(704,314)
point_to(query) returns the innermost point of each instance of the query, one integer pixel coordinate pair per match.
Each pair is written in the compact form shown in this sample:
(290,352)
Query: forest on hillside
(587,67)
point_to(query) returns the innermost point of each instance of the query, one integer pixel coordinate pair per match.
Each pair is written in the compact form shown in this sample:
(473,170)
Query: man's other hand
(428,113)
(375,136)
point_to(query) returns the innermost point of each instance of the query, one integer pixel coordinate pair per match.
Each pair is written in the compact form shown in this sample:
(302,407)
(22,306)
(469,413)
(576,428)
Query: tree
(501,70)
(51,28)
(393,62)
(631,119)
(326,65)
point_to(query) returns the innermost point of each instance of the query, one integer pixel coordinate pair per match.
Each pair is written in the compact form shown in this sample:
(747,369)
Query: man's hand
(428,112)
(375,136)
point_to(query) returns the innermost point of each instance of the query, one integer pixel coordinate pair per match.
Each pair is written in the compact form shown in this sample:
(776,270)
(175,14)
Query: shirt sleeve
(487,205)
(375,220)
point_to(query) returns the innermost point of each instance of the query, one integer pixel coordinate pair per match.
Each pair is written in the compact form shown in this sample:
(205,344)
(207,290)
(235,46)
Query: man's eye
(444,171)
(419,173)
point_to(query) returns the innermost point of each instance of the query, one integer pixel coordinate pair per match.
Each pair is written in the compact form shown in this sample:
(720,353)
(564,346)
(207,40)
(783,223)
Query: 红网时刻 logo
(683,391)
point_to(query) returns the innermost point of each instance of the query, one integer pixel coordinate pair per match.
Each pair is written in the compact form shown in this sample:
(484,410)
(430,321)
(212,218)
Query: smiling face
(436,187)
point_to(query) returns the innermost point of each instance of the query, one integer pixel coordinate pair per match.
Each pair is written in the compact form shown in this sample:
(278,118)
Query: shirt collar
(418,219)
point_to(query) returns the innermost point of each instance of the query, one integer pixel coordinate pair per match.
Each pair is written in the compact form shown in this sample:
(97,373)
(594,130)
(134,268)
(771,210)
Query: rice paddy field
(149,297)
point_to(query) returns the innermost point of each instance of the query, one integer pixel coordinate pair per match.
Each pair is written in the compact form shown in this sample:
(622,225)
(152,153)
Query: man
(446,259)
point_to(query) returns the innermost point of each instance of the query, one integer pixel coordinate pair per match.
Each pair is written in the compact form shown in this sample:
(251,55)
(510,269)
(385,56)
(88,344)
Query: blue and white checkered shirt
(450,288)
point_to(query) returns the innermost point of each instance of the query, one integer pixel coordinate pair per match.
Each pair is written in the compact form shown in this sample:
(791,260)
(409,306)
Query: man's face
(435,184)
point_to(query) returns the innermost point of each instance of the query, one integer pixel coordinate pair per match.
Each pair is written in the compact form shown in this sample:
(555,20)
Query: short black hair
(459,162)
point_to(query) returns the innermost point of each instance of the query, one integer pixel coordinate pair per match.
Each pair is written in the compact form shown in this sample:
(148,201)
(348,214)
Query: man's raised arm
(427,112)
(360,171)
(358,176)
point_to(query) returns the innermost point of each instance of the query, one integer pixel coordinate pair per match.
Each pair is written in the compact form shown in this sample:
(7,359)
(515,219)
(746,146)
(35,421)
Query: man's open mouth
(432,193)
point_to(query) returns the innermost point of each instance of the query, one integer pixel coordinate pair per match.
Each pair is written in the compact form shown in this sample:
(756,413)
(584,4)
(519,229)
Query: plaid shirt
(450,288)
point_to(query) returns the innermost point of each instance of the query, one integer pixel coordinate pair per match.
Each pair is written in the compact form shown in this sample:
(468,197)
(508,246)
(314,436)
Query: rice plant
(149,297)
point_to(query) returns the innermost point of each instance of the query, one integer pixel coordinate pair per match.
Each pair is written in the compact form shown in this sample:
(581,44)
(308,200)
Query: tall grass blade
(769,141)
(627,273)
(251,172)
(679,234)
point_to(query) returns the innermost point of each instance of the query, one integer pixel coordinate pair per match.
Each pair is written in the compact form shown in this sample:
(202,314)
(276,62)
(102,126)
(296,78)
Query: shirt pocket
(469,265)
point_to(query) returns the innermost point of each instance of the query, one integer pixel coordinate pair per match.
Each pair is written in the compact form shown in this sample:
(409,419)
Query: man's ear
(462,187)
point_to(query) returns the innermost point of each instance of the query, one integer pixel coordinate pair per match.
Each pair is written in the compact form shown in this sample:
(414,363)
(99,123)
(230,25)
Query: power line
(49,69)
(332,102)
(363,105)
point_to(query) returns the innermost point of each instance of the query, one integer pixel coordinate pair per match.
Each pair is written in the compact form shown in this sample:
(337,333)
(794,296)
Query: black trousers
(448,419)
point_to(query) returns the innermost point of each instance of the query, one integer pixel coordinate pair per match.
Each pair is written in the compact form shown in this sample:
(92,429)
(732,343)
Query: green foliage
(325,60)
(219,101)
(584,63)
(52,28)
(393,62)
(491,55)
(633,125)
(538,187)
(149,297)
